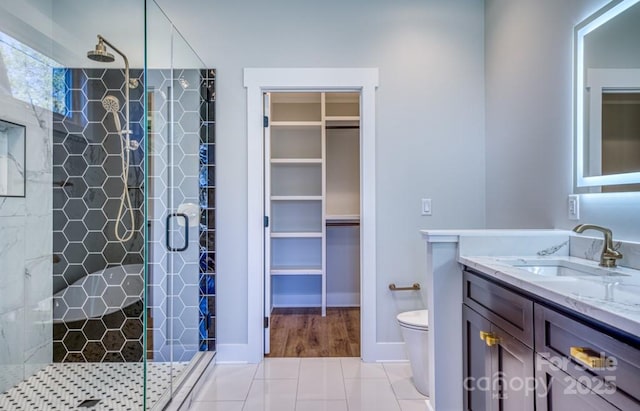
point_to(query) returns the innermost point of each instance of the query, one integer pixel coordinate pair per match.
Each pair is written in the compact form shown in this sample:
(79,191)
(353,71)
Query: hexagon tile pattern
(207,182)
(96,321)
(107,326)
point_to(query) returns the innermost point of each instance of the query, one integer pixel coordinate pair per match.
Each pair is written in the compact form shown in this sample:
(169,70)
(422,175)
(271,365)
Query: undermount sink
(561,268)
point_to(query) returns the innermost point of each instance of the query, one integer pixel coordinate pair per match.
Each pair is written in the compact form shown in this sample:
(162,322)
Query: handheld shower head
(112,105)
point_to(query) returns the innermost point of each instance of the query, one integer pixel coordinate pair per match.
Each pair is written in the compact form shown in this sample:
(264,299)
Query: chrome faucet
(609,254)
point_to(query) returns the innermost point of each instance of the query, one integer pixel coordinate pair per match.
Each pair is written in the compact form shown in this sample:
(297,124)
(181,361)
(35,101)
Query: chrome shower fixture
(112,105)
(100,54)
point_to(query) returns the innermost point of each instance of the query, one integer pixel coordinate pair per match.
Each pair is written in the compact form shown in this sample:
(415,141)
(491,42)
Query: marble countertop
(614,301)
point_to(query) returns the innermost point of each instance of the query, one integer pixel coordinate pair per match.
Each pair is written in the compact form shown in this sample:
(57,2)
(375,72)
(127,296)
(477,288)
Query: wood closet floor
(303,332)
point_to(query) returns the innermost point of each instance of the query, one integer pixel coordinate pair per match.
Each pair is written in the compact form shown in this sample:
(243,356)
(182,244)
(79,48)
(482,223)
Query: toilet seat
(417,320)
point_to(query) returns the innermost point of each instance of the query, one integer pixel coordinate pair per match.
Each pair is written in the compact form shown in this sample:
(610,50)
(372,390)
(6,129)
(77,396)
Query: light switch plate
(426,206)
(573,207)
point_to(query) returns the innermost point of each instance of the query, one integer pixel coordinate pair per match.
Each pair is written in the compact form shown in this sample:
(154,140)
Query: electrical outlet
(573,207)
(426,206)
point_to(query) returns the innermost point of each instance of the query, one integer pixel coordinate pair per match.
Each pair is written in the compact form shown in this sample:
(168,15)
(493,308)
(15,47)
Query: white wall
(529,63)
(430,127)
(26,339)
(26,239)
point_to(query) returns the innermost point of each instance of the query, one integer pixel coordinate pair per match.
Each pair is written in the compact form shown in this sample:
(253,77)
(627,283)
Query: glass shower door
(173,124)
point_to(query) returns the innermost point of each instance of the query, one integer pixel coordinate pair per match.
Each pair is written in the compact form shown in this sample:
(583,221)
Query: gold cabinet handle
(492,340)
(590,358)
(489,338)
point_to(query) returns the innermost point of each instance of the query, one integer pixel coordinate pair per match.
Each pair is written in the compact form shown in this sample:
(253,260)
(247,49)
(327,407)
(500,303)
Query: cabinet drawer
(503,307)
(557,333)
(558,391)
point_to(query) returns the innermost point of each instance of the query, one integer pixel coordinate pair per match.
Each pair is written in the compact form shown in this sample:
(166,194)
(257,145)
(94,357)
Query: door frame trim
(258,81)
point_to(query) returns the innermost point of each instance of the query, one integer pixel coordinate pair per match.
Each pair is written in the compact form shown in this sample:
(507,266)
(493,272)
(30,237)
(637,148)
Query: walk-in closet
(312,224)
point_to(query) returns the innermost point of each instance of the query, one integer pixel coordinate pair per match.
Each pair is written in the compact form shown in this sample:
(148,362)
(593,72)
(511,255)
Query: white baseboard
(234,353)
(343,299)
(387,352)
(314,300)
(296,300)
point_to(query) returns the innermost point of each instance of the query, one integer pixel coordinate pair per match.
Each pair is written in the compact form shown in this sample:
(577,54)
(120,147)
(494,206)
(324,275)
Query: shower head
(112,105)
(100,53)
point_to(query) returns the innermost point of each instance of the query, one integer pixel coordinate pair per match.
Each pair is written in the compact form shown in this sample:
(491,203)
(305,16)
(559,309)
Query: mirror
(607,105)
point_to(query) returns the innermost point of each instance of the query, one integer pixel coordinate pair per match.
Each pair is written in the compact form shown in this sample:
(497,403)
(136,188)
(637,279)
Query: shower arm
(126,130)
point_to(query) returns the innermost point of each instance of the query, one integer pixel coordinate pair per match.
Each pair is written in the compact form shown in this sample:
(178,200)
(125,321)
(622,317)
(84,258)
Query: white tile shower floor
(310,384)
(117,386)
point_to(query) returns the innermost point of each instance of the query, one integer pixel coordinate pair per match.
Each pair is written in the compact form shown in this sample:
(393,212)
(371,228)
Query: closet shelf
(296,198)
(296,123)
(342,118)
(296,271)
(296,161)
(297,235)
(342,217)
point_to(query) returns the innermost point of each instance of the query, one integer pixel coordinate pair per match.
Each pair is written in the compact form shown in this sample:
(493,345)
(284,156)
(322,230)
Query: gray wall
(429,122)
(529,120)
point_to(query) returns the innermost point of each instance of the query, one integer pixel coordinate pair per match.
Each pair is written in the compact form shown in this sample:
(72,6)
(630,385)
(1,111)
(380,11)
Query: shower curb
(190,384)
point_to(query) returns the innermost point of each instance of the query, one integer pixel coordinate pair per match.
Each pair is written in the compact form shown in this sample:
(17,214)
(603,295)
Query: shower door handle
(186,232)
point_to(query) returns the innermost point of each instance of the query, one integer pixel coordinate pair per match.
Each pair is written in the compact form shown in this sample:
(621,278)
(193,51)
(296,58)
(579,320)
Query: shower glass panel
(174,100)
(99,273)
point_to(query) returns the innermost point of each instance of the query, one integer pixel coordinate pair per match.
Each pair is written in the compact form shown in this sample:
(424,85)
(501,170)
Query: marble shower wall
(26,253)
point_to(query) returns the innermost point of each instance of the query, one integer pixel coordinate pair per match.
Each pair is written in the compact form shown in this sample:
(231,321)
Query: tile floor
(310,384)
(117,386)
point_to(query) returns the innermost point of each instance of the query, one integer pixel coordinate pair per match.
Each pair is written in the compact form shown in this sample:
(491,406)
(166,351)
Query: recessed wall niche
(12,159)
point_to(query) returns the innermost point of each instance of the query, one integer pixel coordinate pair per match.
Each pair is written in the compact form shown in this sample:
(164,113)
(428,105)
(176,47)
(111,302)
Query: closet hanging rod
(342,223)
(342,127)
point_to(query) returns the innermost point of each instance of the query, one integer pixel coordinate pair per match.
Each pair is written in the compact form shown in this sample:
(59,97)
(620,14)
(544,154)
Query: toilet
(415,331)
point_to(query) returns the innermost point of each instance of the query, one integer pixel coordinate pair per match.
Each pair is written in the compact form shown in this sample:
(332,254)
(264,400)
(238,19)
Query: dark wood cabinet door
(556,334)
(558,391)
(477,362)
(513,373)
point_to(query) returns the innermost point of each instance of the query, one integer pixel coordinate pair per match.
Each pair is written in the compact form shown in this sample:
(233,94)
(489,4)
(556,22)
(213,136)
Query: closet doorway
(312,224)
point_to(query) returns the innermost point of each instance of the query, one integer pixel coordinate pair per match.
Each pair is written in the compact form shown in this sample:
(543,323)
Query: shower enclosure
(107,255)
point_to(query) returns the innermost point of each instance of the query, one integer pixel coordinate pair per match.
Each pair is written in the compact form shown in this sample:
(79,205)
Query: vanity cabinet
(586,353)
(522,353)
(558,391)
(497,363)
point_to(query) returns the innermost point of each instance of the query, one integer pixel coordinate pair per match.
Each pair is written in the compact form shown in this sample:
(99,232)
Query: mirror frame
(582,182)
